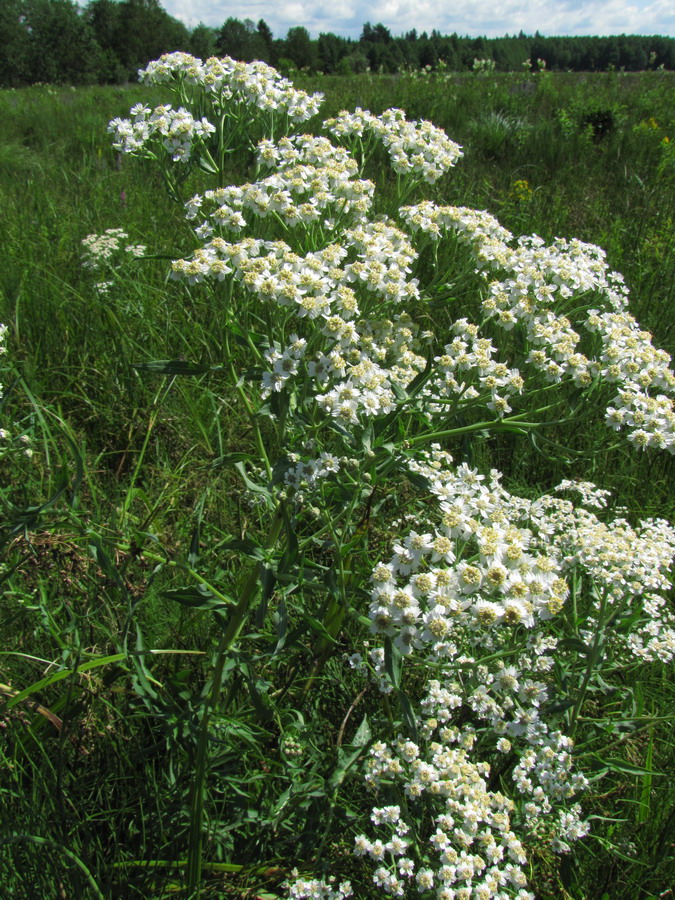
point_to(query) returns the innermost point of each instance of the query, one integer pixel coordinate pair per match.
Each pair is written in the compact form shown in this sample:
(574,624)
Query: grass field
(127,522)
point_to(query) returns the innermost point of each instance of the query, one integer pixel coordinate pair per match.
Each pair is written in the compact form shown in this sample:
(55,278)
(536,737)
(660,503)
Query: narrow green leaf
(392,662)
(619,765)
(646,788)
(229,459)
(251,485)
(198,597)
(561,706)
(572,643)
(207,166)
(318,626)
(245,548)
(143,679)
(104,561)
(280,619)
(409,716)
(174,367)
(60,675)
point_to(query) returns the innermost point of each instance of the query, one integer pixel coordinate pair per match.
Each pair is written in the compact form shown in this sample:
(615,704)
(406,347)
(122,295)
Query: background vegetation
(106,41)
(103,657)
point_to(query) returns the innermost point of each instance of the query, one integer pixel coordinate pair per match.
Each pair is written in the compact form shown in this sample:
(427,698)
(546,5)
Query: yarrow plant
(105,253)
(15,437)
(482,617)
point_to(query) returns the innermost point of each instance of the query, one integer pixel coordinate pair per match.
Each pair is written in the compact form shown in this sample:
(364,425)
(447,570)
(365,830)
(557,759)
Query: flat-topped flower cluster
(313,182)
(100,249)
(313,188)
(229,90)
(459,838)
(176,129)
(485,557)
(417,148)
(3,349)
(228,82)
(106,253)
(361,360)
(537,284)
(631,570)
(477,562)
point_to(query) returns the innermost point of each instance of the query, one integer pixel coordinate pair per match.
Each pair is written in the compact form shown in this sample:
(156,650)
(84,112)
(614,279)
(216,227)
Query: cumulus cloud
(466,17)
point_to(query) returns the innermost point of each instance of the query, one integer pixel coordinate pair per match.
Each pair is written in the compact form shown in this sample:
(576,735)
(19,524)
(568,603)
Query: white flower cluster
(538,282)
(100,249)
(3,348)
(176,129)
(314,182)
(384,260)
(348,350)
(631,361)
(468,370)
(355,375)
(630,567)
(483,66)
(228,82)
(590,494)
(417,148)
(8,442)
(473,853)
(508,699)
(477,566)
(318,889)
(107,251)
(284,365)
(303,475)
(488,557)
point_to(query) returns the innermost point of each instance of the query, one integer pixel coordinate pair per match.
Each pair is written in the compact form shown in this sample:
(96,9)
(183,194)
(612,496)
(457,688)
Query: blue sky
(492,18)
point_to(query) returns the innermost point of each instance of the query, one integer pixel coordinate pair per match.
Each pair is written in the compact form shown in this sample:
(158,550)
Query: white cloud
(472,17)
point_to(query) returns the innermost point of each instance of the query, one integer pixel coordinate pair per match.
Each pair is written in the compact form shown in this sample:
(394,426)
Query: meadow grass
(108,531)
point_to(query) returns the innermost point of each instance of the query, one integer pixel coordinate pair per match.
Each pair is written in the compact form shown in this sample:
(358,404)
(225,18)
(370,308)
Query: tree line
(106,41)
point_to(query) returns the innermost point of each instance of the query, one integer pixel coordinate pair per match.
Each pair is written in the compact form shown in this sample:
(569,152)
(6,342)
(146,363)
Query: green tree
(144,32)
(266,39)
(375,34)
(331,49)
(60,46)
(103,17)
(300,48)
(15,40)
(202,41)
(242,41)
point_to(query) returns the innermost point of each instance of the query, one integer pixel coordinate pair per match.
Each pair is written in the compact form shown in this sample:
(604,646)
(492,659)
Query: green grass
(97,766)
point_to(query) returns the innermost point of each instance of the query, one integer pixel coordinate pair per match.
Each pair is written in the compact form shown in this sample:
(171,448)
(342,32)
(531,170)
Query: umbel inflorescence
(336,289)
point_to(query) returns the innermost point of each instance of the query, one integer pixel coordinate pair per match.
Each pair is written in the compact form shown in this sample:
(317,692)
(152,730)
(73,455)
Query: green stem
(249,410)
(234,628)
(593,658)
(495,425)
(151,424)
(158,558)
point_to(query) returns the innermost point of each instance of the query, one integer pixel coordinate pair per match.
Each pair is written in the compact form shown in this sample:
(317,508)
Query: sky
(491,18)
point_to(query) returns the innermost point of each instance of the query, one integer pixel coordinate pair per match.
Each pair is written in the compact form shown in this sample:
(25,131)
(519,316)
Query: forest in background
(106,41)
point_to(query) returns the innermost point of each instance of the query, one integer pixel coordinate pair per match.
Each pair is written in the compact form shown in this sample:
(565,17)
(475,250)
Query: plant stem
(234,628)
(594,656)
